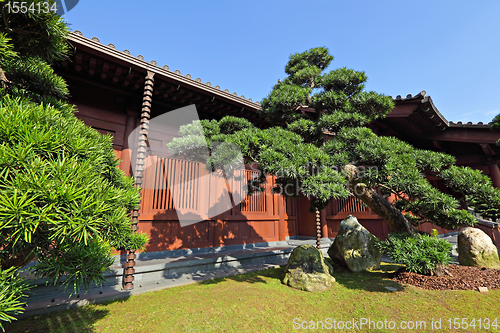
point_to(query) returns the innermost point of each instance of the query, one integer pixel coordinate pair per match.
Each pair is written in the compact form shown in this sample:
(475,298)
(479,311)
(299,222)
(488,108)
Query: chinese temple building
(116,92)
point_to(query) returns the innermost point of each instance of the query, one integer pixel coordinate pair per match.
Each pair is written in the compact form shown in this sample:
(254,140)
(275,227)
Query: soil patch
(461,278)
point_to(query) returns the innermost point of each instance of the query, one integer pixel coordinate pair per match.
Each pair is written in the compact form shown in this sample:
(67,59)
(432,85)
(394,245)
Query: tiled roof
(428,111)
(165,68)
(427,99)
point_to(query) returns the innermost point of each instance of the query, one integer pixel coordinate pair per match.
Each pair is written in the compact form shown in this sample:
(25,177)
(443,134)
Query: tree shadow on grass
(373,280)
(253,277)
(81,319)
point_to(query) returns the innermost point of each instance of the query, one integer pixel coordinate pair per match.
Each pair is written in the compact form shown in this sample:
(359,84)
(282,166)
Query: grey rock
(475,248)
(355,247)
(307,270)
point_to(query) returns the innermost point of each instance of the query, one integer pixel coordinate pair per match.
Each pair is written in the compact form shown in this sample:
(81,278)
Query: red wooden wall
(256,219)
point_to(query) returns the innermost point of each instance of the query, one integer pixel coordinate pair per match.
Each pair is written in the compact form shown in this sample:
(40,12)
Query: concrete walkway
(165,270)
(453,239)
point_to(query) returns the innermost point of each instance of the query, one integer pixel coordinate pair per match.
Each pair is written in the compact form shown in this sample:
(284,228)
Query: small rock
(441,270)
(391,288)
(482,289)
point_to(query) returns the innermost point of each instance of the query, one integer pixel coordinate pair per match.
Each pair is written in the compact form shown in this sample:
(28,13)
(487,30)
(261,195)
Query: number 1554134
(30,7)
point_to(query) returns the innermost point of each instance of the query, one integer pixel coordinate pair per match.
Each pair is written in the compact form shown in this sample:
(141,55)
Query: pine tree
(320,146)
(495,126)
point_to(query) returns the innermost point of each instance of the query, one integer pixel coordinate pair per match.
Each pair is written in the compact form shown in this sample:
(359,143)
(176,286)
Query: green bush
(63,200)
(12,290)
(420,253)
(60,191)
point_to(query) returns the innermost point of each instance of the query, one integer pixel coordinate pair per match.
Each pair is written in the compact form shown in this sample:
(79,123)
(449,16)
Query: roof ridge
(165,67)
(422,94)
(470,123)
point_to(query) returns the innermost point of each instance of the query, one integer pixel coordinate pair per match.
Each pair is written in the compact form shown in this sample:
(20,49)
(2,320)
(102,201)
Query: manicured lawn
(258,302)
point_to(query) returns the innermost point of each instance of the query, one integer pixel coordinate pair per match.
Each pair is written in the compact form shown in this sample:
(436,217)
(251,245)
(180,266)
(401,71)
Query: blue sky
(450,49)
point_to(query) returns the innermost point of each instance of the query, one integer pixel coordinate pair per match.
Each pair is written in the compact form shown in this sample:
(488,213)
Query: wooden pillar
(281,214)
(495,174)
(139,170)
(126,156)
(324,225)
(270,195)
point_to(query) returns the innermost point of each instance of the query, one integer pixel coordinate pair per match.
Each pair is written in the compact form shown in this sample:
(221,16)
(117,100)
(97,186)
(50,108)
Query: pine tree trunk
(3,79)
(17,260)
(378,204)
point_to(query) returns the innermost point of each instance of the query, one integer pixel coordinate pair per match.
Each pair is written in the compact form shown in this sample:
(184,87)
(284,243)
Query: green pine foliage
(420,253)
(495,126)
(12,290)
(6,48)
(35,33)
(34,78)
(475,188)
(495,123)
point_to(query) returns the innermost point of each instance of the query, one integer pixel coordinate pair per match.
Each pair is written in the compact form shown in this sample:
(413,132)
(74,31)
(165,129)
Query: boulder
(475,248)
(308,270)
(355,247)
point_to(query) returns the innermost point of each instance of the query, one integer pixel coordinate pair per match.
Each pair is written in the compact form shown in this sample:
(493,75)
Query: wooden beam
(118,71)
(470,135)
(403,110)
(130,74)
(80,78)
(437,145)
(488,151)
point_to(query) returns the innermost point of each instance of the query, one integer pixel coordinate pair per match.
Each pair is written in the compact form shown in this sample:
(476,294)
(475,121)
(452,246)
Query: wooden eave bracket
(488,151)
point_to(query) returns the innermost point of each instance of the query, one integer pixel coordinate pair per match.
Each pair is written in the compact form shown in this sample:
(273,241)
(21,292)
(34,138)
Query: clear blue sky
(450,49)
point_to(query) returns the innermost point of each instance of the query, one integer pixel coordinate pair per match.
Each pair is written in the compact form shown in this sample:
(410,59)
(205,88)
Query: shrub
(63,201)
(12,290)
(420,253)
(60,189)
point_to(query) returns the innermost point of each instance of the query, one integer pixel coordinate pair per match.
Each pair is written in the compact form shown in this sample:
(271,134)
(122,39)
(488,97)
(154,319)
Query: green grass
(258,302)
